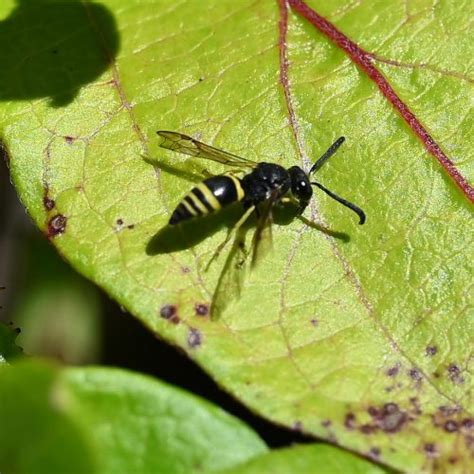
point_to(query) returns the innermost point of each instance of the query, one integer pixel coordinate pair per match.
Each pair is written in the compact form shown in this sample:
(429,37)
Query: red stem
(366,62)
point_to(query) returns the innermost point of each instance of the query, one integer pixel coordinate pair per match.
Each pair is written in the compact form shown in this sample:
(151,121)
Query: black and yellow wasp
(264,185)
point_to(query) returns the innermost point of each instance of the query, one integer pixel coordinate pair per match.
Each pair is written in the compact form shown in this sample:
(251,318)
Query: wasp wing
(262,238)
(231,279)
(189,146)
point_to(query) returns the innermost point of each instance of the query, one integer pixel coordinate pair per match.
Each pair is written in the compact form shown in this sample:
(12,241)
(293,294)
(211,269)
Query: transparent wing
(231,279)
(262,239)
(183,144)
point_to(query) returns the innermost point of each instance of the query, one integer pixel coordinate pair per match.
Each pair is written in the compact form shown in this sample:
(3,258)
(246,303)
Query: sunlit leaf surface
(357,334)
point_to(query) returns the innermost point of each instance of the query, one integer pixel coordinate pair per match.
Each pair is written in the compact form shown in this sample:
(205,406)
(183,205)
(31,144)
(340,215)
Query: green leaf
(108,420)
(8,348)
(317,458)
(57,311)
(358,334)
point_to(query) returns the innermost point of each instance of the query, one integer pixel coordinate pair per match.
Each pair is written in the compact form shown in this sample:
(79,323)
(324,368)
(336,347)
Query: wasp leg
(232,231)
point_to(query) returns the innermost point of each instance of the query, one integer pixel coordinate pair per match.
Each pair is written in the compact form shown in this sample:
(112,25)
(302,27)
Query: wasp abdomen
(208,196)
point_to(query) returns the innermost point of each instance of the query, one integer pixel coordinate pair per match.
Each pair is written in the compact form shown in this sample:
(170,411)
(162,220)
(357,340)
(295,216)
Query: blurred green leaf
(57,310)
(99,420)
(8,347)
(315,459)
(362,340)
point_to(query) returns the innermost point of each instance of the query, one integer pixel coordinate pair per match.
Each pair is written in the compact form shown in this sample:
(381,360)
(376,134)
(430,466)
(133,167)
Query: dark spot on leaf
(468,423)
(185,269)
(69,140)
(17,330)
(201,79)
(393,371)
(431,350)
(350,421)
(451,426)
(415,374)
(449,411)
(389,418)
(131,226)
(298,426)
(436,375)
(194,338)
(57,225)
(373,411)
(430,450)
(48,203)
(374,452)
(326,423)
(454,373)
(368,429)
(119,222)
(201,309)
(453,460)
(415,405)
(314,322)
(170,313)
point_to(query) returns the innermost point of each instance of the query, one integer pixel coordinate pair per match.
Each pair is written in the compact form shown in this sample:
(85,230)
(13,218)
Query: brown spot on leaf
(393,371)
(431,351)
(368,429)
(388,418)
(416,406)
(468,423)
(170,313)
(374,453)
(298,426)
(194,338)
(119,224)
(373,411)
(185,269)
(454,373)
(326,423)
(415,374)
(314,322)
(48,203)
(69,140)
(350,421)
(201,309)
(131,226)
(430,450)
(450,426)
(449,411)
(57,225)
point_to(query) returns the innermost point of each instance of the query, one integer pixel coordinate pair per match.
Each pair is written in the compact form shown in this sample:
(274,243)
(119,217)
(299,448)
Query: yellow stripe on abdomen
(209,197)
(197,202)
(238,188)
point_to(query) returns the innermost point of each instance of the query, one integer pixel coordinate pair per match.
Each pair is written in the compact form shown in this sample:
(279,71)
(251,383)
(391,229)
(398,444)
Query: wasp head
(300,186)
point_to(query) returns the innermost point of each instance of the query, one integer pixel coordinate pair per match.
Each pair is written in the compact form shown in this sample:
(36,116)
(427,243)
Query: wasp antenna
(330,151)
(348,204)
